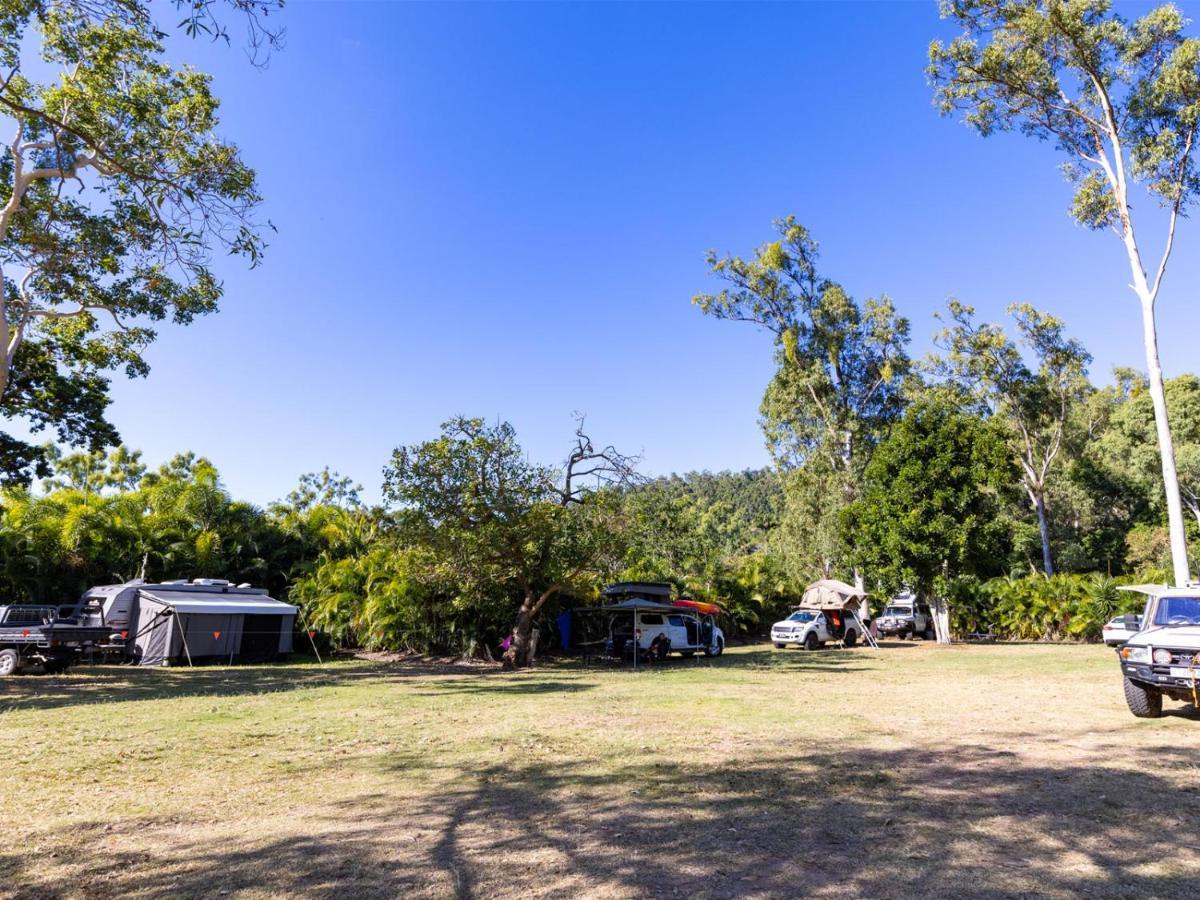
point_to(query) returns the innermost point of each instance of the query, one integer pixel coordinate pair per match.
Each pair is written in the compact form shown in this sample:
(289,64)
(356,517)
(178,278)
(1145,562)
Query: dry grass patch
(911,771)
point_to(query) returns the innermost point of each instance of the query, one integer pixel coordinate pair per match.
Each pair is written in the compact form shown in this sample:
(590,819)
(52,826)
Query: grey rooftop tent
(206,620)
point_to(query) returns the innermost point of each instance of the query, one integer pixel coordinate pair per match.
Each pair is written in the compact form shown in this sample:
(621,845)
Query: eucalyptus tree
(1121,99)
(116,192)
(840,364)
(1036,403)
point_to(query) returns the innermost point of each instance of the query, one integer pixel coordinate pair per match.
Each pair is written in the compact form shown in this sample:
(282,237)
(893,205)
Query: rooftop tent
(829,593)
(181,622)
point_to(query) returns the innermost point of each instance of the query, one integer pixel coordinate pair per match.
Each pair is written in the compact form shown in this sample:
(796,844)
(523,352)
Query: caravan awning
(197,603)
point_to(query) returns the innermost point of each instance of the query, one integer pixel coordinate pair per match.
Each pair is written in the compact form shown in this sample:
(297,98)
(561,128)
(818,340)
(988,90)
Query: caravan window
(652,619)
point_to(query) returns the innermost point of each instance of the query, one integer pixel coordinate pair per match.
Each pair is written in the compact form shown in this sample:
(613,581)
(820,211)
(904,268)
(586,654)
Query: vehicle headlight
(1162,657)
(1136,654)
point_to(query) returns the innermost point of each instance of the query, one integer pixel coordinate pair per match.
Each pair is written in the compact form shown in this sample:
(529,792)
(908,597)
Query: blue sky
(502,210)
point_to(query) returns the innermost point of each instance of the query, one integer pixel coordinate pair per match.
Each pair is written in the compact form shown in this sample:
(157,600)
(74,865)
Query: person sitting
(659,648)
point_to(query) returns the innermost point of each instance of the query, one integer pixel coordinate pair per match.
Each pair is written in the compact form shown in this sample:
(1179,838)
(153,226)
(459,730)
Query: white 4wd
(810,629)
(1163,658)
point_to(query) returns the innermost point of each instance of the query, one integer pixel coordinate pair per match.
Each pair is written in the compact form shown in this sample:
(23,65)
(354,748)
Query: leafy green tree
(840,364)
(1130,441)
(931,508)
(115,192)
(493,521)
(1035,403)
(1121,100)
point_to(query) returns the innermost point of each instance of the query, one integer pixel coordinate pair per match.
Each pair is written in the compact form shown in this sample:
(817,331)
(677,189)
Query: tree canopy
(116,192)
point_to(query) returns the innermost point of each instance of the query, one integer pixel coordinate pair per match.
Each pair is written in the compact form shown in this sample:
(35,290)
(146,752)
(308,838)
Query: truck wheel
(10,662)
(1145,703)
(851,638)
(715,651)
(811,642)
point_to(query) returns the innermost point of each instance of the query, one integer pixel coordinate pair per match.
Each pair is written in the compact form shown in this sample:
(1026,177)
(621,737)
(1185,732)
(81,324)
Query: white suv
(1163,659)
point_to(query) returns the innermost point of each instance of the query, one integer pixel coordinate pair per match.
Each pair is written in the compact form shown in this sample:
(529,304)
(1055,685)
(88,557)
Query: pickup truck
(812,628)
(36,636)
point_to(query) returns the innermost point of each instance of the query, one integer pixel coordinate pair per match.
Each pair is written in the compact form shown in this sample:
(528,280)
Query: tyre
(716,651)
(10,662)
(851,638)
(1145,703)
(811,642)
(781,646)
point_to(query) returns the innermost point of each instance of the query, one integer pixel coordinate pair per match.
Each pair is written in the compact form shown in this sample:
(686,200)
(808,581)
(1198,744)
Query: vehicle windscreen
(802,615)
(1178,611)
(898,611)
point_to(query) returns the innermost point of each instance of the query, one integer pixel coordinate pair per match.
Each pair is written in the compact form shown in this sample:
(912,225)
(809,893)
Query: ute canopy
(829,593)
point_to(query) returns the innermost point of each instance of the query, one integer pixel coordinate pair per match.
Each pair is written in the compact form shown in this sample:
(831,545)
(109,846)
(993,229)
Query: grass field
(909,771)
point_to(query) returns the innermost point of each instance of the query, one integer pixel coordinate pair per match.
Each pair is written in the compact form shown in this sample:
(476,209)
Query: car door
(679,632)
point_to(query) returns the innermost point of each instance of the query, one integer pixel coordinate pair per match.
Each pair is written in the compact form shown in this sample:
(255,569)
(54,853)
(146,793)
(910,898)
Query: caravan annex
(205,620)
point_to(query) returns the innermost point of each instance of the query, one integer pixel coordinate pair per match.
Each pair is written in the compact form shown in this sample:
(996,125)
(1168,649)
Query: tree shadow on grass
(88,685)
(895,823)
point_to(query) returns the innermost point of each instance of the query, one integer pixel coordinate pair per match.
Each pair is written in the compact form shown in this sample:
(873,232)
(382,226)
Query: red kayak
(708,609)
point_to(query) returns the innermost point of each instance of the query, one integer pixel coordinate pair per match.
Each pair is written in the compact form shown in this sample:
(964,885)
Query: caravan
(205,620)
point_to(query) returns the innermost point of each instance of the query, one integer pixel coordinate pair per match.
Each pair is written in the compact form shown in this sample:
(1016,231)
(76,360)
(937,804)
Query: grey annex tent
(205,620)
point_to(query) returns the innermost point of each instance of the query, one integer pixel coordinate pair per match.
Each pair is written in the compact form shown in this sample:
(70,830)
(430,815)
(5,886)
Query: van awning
(197,603)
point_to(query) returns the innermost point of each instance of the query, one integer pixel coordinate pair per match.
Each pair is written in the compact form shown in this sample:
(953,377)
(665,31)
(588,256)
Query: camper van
(186,622)
(906,616)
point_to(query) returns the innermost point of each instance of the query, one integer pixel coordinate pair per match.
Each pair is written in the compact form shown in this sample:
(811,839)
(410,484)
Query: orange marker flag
(216,635)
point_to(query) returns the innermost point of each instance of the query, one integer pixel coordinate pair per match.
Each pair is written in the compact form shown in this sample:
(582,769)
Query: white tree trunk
(1166,446)
(941,619)
(1039,505)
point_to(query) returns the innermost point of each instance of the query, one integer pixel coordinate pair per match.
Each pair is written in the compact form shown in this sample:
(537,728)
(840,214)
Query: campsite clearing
(753,774)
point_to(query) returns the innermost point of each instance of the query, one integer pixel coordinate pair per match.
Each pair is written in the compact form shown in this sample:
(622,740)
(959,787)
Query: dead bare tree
(587,468)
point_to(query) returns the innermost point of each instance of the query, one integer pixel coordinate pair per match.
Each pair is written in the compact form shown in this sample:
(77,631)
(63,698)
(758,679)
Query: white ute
(1163,658)
(810,629)
(829,611)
